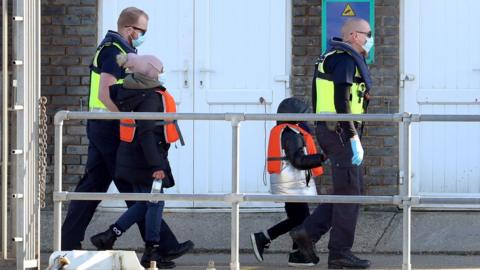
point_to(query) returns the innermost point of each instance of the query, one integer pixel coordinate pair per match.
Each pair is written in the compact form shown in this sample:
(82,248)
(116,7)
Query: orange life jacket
(171,128)
(275,157)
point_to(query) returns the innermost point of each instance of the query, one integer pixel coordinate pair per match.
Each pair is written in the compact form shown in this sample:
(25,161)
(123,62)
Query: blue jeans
(151,212)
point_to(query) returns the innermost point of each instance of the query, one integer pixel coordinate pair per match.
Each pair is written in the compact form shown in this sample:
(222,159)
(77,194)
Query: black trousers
(296,214)
(104,139)
(340,219)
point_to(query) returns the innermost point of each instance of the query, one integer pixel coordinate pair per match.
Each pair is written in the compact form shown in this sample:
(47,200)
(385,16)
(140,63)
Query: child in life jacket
(142,156)
(292,162)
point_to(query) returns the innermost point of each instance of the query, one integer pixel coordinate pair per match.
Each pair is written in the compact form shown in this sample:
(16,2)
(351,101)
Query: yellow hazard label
(348,11)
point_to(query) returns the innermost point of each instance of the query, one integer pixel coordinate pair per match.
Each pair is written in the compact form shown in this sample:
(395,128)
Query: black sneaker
(296,259)
(346,260)
(259,243)
(304,243)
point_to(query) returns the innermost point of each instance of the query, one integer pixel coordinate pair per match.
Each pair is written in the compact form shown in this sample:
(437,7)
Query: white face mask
(368,44)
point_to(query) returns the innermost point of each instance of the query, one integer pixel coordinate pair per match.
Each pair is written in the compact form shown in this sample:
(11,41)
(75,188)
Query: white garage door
(441,52)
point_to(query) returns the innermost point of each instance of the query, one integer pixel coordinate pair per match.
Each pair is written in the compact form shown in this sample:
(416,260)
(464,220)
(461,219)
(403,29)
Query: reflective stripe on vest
(93,101)
(275,151)
(171,128)
(325,91)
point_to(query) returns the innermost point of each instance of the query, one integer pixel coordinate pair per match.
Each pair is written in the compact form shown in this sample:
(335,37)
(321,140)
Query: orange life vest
(275,156)
(171,128)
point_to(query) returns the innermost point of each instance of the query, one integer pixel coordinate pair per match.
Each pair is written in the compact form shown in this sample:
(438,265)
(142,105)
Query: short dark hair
(130,16)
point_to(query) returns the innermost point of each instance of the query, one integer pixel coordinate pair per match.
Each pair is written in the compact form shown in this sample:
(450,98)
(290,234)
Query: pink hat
(148,65)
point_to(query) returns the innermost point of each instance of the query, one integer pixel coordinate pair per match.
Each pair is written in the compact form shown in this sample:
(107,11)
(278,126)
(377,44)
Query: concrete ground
(378,232)
(440,240)
(278,262)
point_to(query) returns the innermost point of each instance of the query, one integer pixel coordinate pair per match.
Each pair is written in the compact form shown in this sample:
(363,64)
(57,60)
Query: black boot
(180,250)
(346,259)
(259,243)
(106,239)
(152,253)
(304,243)
(296,259)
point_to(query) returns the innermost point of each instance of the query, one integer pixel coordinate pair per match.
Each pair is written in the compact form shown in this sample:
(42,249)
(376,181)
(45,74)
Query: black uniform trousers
(104,140)
(340,219)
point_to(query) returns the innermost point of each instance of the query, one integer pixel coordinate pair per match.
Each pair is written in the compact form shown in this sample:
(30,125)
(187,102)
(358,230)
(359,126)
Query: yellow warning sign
(348,11)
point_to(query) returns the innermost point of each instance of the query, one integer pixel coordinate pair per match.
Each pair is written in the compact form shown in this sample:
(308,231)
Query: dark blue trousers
(339,219)
(103,138)
(151,212)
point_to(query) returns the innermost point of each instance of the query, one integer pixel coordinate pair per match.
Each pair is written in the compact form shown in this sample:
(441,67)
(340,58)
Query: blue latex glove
(357,150)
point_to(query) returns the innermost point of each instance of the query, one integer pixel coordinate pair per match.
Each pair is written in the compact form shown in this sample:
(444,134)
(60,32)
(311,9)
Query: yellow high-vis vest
(94,103)
(325,90)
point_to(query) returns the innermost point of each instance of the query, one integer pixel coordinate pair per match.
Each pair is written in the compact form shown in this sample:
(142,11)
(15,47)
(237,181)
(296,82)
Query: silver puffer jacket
(291,181)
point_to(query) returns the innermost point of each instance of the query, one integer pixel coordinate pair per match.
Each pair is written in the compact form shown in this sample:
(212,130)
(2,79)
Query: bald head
(353,25)
(355,31)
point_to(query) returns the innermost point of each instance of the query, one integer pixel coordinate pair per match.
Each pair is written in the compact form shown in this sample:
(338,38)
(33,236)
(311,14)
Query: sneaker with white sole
(259,243)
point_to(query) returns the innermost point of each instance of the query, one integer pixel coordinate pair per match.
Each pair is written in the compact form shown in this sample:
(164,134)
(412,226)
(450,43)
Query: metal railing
(5,92)
(404,199)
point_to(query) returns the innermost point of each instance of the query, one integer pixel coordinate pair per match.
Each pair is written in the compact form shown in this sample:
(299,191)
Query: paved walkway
(278,262)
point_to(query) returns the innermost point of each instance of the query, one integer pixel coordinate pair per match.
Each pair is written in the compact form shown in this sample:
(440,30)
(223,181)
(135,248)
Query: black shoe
(104,240)
(180,250)
(346,260)
(259,243)
(304,243)
(296,259)
(152,253)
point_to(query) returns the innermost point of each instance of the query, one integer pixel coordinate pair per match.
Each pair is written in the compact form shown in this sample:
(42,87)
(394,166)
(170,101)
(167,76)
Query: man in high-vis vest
(103,136)
(341,85)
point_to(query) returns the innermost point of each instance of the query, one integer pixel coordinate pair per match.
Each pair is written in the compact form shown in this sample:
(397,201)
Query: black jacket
(293,144)
(136,161)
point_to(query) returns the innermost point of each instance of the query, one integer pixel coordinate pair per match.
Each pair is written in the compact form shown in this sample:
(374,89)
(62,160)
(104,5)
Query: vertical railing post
(57,205)
(235,231)
(5,139)
(407,194)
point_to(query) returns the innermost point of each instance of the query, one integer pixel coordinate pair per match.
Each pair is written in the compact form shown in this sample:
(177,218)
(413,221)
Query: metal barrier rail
(235,198)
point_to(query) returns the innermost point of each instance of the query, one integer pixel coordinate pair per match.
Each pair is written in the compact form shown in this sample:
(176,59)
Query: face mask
(368,44)
(137,42)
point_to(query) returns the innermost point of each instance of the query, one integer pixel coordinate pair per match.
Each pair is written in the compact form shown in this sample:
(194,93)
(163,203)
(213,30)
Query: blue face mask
(137,42)
(368,44)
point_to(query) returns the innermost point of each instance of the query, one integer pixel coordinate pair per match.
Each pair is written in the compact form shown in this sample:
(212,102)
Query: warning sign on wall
(348,11)
(336,12)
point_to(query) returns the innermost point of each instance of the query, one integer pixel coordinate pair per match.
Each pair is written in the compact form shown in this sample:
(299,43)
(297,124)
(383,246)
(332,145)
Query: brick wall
(381,139)
(69,39)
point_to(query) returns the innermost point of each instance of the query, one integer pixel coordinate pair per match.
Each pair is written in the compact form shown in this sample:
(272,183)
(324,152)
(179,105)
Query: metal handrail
(67,115)
(235,198)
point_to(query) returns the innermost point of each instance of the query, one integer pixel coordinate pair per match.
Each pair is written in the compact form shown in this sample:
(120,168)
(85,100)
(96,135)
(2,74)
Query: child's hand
(160,174)
(323,157)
